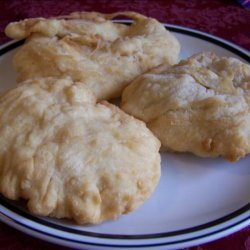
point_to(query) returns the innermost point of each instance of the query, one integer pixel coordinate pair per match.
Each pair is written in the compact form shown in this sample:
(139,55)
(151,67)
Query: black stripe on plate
(11,47)
(123,246)
(4,202)
(213,40)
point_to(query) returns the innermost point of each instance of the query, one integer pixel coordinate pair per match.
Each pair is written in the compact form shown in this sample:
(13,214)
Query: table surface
(224,18)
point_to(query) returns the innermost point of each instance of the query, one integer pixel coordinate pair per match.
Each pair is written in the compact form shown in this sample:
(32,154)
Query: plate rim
(140,243)
(235,49)
(226,218)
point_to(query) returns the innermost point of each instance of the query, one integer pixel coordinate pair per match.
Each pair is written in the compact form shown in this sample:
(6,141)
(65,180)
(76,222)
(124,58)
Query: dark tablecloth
(223,18)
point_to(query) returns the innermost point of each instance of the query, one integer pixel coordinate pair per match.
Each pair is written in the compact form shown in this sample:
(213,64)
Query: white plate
(197,200)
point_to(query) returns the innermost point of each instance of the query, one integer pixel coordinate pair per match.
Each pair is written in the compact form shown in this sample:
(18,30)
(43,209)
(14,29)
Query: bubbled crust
(70,157)
(89,47)
(200,105)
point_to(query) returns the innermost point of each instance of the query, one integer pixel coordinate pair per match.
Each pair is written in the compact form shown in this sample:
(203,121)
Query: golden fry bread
(106,56)
(200,105)
(70,157)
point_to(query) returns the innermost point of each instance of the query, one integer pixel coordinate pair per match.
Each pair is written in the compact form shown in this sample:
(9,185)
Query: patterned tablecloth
(223,18)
